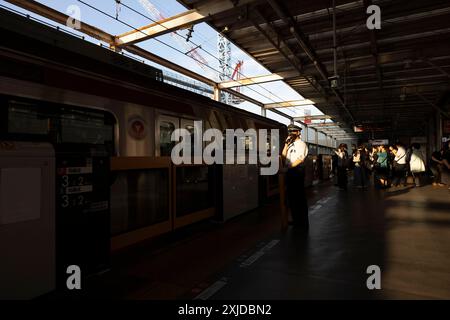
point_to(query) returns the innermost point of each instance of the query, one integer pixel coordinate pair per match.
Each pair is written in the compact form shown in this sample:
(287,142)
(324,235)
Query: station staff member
(294,153)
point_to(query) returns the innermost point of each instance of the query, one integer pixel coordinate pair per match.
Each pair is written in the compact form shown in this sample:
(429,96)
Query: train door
(82,209)
(83,142)
(193,185)
(83,150)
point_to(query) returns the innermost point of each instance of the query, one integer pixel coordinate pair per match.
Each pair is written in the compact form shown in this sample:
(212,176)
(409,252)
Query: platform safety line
(319,204)
(313,209)
(211,290)
(254,257)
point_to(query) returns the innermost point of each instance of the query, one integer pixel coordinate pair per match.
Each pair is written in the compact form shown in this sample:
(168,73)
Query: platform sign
(307,114)
(379,142)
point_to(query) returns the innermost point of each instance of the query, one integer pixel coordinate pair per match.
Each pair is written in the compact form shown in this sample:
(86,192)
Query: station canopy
(386,78)
(391,79)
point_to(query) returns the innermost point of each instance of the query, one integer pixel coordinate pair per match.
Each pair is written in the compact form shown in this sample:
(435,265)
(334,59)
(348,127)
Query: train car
(103,122)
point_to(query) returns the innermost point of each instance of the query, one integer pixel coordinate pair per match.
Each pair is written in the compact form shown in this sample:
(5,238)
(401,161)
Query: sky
(173,47)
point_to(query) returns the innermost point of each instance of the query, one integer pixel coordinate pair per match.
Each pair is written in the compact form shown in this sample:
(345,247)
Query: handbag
(377,165)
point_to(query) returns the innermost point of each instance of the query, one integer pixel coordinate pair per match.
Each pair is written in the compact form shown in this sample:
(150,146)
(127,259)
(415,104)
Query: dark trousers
(359,176)
(437,172)
(418,178)
(342,177)
(399,174)
(295,183)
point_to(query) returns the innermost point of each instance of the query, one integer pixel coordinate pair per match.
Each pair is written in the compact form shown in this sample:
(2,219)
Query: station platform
(404,231)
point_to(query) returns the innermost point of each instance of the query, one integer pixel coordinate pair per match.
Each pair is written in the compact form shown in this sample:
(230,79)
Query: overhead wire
(201,48)
(168,45)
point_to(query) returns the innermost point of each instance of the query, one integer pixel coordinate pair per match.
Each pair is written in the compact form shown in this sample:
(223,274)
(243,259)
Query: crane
(192,50)
(237,76)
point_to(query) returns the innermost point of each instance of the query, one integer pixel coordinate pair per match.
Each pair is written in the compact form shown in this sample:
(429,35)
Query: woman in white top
(399,166)
(417,163)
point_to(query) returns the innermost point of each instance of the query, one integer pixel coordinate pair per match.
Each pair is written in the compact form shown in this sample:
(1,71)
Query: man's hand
(296,163)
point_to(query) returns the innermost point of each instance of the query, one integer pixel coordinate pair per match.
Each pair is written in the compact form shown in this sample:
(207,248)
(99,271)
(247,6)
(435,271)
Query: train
(85,151)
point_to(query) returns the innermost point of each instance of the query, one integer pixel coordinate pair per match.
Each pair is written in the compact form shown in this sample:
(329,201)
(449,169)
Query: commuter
(446,165)
(417,164)
(351,163)
(370,163)
(359,172)
(436,167)
(295,152)
(409,175)
(399,174)
(391,157)
(342,164)
(367,165)
(382,167)
(373,155)
(334,162)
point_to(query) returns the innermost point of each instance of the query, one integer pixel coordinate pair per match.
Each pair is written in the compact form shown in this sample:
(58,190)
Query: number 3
(65,202)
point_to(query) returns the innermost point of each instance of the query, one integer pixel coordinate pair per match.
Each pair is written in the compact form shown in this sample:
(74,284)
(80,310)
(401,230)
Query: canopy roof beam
(61,18)
(317,117)
(250,81)
(202,13)
(286,104)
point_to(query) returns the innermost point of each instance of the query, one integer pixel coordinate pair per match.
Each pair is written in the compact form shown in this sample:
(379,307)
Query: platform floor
(406,232)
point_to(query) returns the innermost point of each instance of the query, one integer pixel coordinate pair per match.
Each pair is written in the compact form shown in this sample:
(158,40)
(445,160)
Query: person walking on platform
(436,167)
(417,164)
(371,164)
(359,172)
(445,162)
(295,152)
(399,166)
(382,167)
(342,163)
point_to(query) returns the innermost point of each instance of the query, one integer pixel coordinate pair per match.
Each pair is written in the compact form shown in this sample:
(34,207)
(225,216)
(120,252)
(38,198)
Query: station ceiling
(392,80)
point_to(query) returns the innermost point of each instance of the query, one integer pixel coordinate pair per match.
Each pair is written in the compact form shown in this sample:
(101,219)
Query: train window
(30,120)
(194,189)
(190,128)
(80,126)
(165,132)
(141,199)
(26,118)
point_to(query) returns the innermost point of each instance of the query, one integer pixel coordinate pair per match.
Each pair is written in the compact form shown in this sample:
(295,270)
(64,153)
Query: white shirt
(416,163)
(400,157)
(297,150)
(341,157)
